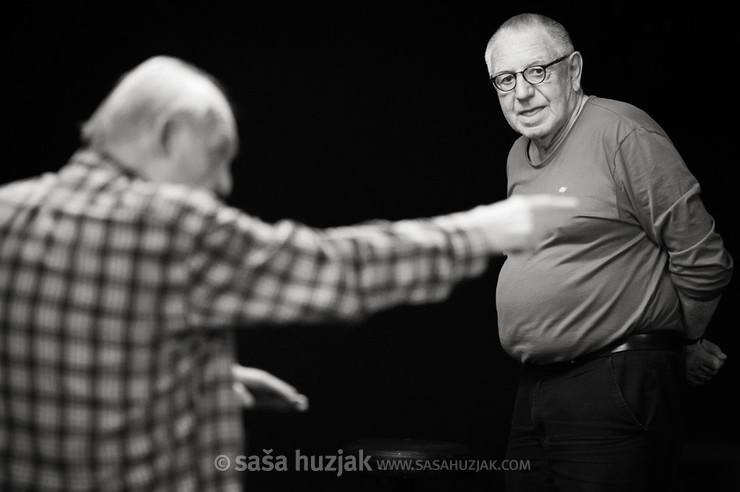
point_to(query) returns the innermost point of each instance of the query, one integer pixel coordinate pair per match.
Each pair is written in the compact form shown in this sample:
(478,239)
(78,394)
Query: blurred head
(536,74)
(169,122)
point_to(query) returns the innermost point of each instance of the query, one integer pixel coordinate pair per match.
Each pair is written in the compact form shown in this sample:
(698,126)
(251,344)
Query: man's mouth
(530,111)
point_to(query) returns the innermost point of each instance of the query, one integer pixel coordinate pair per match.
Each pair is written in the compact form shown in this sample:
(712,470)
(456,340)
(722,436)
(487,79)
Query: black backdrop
(358,111)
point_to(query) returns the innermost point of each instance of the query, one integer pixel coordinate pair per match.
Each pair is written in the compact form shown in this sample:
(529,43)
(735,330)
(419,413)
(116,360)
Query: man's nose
(523,89)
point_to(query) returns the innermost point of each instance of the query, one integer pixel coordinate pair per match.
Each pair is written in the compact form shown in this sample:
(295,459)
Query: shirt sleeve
(667,202)
(244,271)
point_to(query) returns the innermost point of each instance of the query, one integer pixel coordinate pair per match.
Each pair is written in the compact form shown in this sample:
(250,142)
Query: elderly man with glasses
(607,315)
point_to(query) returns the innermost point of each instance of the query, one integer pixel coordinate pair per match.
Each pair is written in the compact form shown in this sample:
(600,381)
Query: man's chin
(532,127)
(535,132)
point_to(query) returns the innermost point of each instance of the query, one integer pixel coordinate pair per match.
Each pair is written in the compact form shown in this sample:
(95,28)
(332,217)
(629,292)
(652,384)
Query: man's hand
(258,389)
(519,223)
(703,360)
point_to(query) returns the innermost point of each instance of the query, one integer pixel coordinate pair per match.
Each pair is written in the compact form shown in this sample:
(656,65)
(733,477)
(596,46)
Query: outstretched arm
(243,271)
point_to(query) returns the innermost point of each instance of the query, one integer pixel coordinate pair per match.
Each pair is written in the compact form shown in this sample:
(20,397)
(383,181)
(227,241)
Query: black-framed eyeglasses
(506,81)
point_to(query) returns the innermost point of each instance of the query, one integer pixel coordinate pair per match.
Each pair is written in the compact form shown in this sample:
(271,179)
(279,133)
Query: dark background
(364,110)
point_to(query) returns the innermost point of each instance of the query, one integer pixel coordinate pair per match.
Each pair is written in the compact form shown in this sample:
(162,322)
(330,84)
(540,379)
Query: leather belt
(659,340)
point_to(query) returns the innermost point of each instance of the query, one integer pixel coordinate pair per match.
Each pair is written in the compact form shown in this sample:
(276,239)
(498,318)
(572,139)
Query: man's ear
(167,135)
(575,65)
(170,130)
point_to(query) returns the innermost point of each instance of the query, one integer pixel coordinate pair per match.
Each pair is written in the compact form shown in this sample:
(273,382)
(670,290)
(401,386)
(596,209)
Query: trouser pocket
(647,385)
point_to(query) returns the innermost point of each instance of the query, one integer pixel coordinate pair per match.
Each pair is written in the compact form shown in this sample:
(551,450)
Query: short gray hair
(159,87)
(553,28)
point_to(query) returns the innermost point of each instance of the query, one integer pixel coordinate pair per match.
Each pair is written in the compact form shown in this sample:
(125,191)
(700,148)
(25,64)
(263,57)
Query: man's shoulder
(18,187)
(87,187)
(24,191)
(629,116)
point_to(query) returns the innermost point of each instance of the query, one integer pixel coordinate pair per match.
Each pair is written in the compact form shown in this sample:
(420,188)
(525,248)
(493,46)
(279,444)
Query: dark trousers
(611,424)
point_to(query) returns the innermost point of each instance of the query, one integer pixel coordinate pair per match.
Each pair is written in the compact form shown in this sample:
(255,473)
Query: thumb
(244,396)
(713,349)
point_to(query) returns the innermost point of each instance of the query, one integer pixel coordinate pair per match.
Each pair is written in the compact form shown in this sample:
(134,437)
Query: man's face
(201,156)
(536,111)
(207,164)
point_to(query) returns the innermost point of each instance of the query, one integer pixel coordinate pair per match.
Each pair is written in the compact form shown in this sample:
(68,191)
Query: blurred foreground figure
(122,274)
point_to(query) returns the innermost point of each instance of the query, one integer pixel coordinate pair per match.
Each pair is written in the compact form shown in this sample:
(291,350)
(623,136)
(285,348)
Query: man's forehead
(521,45)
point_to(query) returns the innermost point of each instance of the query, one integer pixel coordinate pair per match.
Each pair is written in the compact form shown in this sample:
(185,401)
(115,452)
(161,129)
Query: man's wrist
(692,341)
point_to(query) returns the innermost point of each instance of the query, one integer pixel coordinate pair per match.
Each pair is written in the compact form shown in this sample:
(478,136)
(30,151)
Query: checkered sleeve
(246,271)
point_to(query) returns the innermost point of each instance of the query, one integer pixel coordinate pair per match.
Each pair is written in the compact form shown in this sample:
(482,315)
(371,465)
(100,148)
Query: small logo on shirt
(563,189)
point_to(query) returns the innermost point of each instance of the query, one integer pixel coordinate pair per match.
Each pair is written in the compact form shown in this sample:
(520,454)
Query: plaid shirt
(114,298)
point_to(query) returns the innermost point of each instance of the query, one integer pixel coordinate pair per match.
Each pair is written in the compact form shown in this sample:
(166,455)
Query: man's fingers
(703,363)
(713,349)
(260,379)
(265,384)
(300,402)
(554,201)
(276,385)
(713,365)
(245,397)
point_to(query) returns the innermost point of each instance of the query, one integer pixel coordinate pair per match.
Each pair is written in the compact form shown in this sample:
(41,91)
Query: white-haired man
(600,313)
(120,274)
